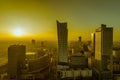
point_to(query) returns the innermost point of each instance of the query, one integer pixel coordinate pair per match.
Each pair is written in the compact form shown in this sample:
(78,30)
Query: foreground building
(103,52)
(62,33)
(16,61)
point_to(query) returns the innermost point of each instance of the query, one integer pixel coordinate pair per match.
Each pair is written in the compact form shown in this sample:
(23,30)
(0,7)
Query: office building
(93,43)
(33,41)
(103,51)
(79,39)
(16,61)
(62,33)
(78,61)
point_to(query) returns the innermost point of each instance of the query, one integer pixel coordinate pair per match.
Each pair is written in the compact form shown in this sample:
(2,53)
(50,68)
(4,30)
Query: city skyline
(37,19)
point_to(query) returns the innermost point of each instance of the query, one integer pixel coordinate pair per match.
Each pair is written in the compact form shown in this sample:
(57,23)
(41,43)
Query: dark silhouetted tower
(33,41)
(79,39)
(16,61)
(62,33)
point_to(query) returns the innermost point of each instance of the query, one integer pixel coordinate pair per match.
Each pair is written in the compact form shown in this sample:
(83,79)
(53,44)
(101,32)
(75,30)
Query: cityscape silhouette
(59,40)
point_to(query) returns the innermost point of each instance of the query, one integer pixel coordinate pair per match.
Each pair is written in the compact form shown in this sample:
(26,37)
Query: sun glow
(18,32)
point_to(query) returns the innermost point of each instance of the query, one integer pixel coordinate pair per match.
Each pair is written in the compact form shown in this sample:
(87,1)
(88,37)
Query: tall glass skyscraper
(62,33)
(103,50)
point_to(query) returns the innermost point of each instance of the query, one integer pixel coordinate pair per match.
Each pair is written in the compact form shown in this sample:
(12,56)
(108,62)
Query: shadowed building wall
(16,61)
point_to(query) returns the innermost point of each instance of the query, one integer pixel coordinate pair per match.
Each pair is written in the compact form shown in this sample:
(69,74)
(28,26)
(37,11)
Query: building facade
(16,61)
(103,51)
(62,33)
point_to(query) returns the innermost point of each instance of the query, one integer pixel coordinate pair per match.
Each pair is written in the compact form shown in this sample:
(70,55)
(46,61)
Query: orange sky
(37,18)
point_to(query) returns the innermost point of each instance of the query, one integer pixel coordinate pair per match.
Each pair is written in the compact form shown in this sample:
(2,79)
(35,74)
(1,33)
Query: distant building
(93,43)
(33,41)
(37,63)
(80,44)
(85,74)
(42,44)
(79,39)
(62,33)
(16,61)
(116,56)
(103,51)
(116,61)
(78,61)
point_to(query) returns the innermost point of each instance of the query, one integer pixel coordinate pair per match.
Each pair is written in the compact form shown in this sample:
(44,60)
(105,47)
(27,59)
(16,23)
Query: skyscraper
(79,39)
(16,61)
(62,33)
(93,43)
(103,50)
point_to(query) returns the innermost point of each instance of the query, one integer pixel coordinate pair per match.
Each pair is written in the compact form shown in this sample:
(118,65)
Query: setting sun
(18,32)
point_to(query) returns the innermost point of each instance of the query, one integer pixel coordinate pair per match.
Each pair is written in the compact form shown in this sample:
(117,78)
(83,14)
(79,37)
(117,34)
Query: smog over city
(59,40)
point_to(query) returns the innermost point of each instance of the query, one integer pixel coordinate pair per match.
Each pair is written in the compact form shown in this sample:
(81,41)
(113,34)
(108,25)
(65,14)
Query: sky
(37,18)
